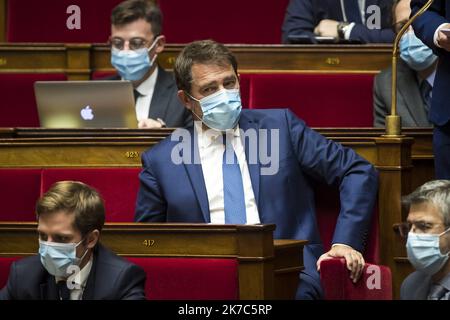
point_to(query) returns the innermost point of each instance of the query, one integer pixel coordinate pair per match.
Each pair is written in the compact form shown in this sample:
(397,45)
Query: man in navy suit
(366,21)
(428,28)
(72,264)
(252,166)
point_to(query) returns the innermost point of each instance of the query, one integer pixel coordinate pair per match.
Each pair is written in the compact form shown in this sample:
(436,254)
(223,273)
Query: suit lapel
(195,173)
(160,98)
(254,168)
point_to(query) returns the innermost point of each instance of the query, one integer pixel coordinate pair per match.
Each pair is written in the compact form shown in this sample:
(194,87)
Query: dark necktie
(425,91)
(437,292)
(64,292)
(233,189)
(352,11)
(136,95)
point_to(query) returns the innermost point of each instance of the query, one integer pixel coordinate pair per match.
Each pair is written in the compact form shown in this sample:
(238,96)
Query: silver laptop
(85,104)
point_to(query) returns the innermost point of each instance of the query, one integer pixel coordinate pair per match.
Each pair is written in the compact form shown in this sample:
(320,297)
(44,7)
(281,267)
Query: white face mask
(424,252)
(57,257)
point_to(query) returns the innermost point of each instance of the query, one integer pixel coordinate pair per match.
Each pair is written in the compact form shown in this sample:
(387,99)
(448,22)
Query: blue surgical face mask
(415,53)
(424,252)
(132,64)
(57,257)
(221,110)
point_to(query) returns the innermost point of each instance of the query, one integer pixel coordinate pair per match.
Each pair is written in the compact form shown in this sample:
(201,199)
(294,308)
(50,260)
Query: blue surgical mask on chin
(221,110)
(424,252)
(132,64)
(415,53)
(57,257)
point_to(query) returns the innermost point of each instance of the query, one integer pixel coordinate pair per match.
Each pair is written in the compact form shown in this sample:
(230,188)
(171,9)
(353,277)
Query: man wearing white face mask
(415,77)
(136,41)
(226,181)
(72,264)
(428,244)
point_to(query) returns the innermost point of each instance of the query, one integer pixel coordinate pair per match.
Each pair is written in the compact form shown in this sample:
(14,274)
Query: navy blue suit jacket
(111,278)
(425,27)
(302,16)
(177,193)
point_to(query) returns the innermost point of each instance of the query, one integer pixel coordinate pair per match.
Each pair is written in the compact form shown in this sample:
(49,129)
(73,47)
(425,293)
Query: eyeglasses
(134,43)
(419,227)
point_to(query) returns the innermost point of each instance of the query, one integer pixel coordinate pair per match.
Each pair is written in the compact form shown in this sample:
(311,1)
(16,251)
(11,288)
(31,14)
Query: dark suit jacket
(111,278)
(302,16)
(177,193)
(415,287)
(165,103)
(425,27)
(410,105)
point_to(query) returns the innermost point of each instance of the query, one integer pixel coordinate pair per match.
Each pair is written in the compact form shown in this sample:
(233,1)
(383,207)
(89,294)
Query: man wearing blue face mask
(136,41)
(228,181)
(433,28)
(72,264)
(428,244)
(415,77)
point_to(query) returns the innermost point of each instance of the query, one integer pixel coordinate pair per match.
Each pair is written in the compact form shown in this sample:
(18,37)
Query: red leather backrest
(322,100)
(232,21)
(18,102)
(20,191)
(117,186)
(190,278)
(46,21)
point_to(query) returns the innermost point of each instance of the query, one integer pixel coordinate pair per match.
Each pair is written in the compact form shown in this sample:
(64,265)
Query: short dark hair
(203,52)
(73,197)
(132,10)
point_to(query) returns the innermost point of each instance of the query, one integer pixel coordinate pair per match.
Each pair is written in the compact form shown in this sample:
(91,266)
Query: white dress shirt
(146,90)
(211,149)
(79,281)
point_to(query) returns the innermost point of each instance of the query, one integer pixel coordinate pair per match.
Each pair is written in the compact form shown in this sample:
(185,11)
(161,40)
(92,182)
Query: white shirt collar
(148,85)
(431,77)
(208,137)
(84,274)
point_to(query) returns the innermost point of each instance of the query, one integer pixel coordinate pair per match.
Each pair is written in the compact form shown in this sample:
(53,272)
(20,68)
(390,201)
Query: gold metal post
(393,121)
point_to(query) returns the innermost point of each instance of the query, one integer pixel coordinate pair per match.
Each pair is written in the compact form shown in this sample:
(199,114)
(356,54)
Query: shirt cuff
(436,34)
(341,244)
(348,29)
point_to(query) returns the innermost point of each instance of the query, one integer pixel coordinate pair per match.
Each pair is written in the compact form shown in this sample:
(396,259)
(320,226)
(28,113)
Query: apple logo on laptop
(86,113)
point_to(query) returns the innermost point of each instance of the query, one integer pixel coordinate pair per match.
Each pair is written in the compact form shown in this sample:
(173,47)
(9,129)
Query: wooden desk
(267,268)
(78,61)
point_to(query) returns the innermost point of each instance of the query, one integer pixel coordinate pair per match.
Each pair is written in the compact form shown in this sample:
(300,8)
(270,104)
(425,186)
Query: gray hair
(436,192)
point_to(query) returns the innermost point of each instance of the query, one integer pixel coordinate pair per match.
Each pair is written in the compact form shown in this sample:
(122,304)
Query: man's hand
(327,28)
(150,124)
(354,259)
(443,39)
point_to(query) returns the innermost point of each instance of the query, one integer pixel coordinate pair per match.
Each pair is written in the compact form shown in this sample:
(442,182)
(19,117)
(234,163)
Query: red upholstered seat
(20,191)
(48,19)
(101,75)
(322,100)
(5,265)
(327,213)
(18,105)
(233,21)
(374,284)
(190,278)
(118,187)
